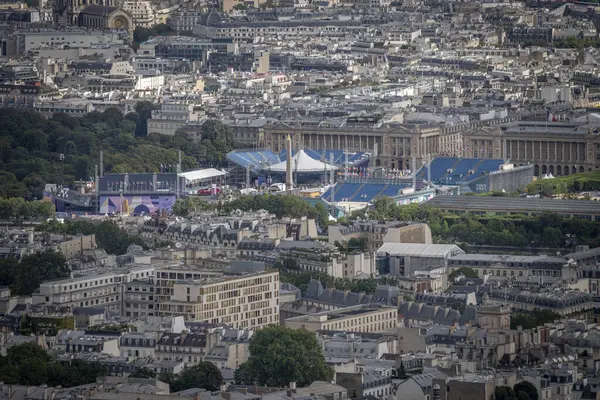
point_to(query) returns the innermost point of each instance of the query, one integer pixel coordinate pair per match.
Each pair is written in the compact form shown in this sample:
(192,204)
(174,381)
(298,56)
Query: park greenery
(280,355)
(281,206)
(18,210)
(521,391)
(63,149)
(546,230)
(583,182)
(143,373)
(204,375)
(463,271)
(575,42)
(189,206)
(29,364)
(142,34)
(26,276)
(532,320)
(302,279)
(109,236)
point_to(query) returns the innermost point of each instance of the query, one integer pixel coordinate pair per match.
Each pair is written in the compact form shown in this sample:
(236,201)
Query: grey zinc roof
(426,380)
(423,312)
(314,290)
(99,9)
(469,315)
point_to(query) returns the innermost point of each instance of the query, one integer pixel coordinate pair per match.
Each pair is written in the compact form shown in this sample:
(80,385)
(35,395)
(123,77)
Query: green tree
(143,373)
(17,355)
(504,393)
(521,395)
(9,374)
(243,375)
(280,355)
(466,271)
(109,236)
(167,377)
(552,237)
(534,319)
(38,268)
(144,110)
(526,387)
(280,205)
(401,371)
(32,372)
(189,206)
(204,375)
(358,244)
(141,34)
(8,271)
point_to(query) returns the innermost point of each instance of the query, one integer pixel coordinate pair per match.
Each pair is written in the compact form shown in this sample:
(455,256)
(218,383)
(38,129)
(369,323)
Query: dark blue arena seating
(363,192)
(253,159)
(460,170)
(259,159)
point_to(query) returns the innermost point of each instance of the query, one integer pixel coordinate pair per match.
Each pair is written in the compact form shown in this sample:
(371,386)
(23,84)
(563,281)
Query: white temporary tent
(201,175)
(302,162)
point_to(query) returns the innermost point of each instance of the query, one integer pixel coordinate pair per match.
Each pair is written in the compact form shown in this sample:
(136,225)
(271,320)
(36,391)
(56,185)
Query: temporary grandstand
(261,165)
(475,175)
(363,192)
(450,175)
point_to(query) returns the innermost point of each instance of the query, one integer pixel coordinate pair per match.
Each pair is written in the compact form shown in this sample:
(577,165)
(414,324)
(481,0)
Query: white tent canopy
(201,175)
(302,162)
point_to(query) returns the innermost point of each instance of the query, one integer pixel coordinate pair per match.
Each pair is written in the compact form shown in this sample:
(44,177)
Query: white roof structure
(302,162)
(201,174)
(419,250)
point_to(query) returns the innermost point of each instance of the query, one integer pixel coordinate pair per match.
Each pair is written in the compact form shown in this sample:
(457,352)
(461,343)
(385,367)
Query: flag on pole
(550,117)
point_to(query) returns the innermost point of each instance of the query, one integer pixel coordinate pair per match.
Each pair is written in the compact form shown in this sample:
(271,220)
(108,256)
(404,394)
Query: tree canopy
(582,182)
(465,271)
(280,355)
(62,149)
(528,388)
(29,364)
(533,319)
(280,205)
(108,235)
(521,391)
(203,375)
(141,34)
(188,206)
(544,230)
(25,277)
(18,210)
(144,373)
(301,280)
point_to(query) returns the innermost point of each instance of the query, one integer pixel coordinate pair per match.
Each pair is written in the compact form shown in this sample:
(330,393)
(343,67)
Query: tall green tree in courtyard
(280,355)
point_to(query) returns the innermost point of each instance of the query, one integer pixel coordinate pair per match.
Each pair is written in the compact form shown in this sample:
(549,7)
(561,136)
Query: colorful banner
(136,205)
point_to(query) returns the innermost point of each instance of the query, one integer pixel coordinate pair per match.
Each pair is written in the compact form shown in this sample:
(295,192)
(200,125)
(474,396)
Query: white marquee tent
(302,162)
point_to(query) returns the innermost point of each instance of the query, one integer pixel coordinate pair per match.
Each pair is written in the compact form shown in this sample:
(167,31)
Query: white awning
(202,174)
(302,162)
